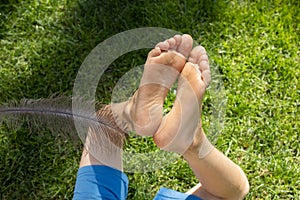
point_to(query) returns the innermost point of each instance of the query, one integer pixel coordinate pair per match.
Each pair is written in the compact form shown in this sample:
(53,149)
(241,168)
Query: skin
(163,65)
(220,177)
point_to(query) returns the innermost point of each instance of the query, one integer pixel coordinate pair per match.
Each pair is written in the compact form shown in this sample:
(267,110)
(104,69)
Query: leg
(100,174)
(220,177)
(143,111)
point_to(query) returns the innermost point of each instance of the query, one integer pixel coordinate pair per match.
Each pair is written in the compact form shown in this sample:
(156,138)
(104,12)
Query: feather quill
(57,115)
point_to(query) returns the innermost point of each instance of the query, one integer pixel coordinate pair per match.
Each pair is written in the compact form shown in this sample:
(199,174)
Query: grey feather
(57,115)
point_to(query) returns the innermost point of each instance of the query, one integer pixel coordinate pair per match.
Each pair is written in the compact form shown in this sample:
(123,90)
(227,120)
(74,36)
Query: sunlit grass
(254,44)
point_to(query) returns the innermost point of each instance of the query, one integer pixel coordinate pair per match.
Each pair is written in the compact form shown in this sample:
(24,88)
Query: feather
(57,115)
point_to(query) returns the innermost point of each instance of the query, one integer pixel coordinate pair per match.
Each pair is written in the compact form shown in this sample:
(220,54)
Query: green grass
(254,44)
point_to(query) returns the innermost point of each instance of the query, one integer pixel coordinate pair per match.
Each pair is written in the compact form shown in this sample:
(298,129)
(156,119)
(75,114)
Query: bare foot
(176,132)
(163,65)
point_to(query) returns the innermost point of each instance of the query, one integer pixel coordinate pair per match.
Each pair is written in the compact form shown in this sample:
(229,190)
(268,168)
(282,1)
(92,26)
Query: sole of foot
(164,63)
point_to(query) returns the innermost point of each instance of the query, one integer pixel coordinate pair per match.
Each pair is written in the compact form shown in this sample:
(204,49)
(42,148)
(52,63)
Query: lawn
(255,45)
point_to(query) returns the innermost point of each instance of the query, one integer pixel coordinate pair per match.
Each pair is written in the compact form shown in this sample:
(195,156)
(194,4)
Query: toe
(196,54)
(185,45)
(203,57)
(205,75)
(154,52)
(172,43)
(205,72)
(178,40)
(203,65)
(163,45)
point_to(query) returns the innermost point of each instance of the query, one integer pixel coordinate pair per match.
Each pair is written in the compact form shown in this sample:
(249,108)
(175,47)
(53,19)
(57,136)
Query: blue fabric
(105,183)
(168,194)
(100,182)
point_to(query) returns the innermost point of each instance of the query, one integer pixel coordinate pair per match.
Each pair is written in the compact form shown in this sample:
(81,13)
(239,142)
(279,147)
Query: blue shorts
(106,183)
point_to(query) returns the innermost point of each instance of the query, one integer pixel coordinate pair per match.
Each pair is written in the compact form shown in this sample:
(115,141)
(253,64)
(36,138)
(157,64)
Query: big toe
(184,44)
(199,57)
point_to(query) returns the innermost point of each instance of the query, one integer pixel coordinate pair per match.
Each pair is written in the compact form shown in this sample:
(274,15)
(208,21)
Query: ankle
(122,115)
(200,147)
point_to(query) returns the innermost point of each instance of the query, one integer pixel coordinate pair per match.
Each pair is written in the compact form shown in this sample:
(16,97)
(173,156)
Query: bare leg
(220,177)
(143,112)
(104,146)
